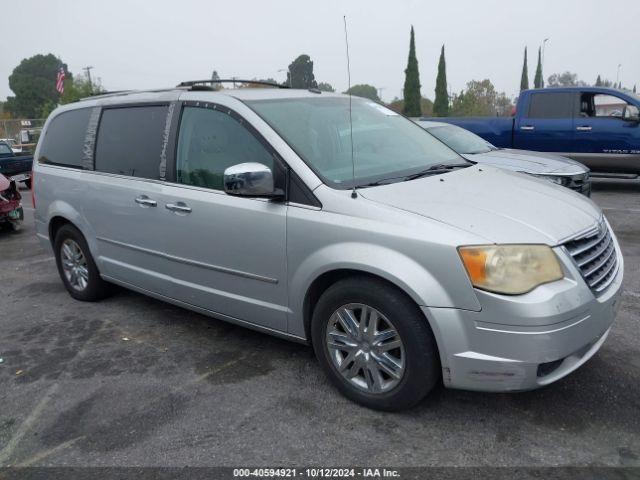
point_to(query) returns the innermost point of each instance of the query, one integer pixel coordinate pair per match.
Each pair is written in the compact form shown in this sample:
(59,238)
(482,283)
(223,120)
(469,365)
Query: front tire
(76,266)
(374,344)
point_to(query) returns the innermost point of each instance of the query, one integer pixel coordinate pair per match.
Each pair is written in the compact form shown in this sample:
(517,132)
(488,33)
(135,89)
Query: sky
(137,44)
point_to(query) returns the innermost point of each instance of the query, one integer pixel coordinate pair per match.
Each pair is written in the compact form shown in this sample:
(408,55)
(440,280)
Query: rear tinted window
(64,139)
(130,141)
(551,105)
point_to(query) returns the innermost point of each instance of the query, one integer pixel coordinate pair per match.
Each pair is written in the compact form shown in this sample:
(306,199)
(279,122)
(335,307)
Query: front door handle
(145,201)
(584,128)
(527,127)
(178,207)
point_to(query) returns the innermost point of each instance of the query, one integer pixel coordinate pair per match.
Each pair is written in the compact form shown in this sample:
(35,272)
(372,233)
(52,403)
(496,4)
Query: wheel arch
(329,278)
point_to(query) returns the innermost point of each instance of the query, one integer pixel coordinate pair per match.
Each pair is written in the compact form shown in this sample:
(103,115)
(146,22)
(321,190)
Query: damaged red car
(11,213)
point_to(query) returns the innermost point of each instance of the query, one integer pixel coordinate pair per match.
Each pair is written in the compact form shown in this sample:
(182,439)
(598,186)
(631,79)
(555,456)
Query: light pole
(618,75)
(88,70)
(544,44)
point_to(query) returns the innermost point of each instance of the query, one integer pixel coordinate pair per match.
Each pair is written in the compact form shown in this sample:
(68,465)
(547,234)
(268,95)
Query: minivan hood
(496,204)
(538,163)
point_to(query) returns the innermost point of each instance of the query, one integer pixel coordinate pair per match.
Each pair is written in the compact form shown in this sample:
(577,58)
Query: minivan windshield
(386,146)
(461,140)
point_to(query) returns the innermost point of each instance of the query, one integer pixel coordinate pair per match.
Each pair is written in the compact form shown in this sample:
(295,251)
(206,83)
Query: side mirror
(631,114)
(249,180)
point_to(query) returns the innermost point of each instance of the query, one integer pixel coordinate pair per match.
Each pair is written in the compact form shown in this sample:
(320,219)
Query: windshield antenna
(353,163)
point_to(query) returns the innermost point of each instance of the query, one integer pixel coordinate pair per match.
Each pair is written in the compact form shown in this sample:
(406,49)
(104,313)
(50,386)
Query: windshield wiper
(437,169)
(432,170)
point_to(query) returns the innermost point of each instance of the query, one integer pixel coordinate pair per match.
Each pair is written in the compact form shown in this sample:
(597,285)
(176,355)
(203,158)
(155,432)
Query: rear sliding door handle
(527,127)
(178,207)
(585,128)
(145,201)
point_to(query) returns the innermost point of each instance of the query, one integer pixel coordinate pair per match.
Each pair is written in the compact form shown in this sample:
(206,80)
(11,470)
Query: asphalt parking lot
(134,381)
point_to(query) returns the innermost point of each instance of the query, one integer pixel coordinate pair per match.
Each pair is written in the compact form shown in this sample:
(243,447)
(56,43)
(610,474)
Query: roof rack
(116,93)
(196,83)
(107,94)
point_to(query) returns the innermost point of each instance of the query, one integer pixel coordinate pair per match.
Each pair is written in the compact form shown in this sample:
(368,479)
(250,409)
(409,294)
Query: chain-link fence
(21,134)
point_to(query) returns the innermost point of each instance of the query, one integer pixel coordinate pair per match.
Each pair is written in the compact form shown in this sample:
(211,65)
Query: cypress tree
(598,81)
(524,81)
(441,102)
(412,82)
(634,89)
(537,81)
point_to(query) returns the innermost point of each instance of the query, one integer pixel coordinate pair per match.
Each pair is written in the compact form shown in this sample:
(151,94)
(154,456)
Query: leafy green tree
(412,82)
(441,103)
(524,79)
(325,87)
(426,106)
(300,73)
(603,82)
(480,99)
(80,87)
(538,81)
(364,90)
(566,79)
(75,88)
(34,85)
(215,76)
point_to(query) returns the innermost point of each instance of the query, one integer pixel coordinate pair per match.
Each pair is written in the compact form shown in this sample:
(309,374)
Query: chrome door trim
(195,263)
(210,313)
(302,205)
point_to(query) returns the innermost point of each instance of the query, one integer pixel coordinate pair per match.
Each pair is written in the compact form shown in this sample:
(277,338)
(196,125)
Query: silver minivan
(331,221)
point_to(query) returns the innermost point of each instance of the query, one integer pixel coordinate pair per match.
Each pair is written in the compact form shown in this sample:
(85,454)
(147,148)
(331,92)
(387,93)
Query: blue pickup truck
(599,127)
(16,167)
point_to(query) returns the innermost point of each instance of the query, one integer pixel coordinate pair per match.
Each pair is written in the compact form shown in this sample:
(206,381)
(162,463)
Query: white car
(554,168)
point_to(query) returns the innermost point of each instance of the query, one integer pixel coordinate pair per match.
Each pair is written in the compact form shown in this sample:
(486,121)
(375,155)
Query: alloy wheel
(365,347)
(74,265)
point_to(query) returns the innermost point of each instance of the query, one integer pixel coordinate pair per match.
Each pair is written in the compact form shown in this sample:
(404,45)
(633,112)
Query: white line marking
(47,453)
(27,424)
(48,259)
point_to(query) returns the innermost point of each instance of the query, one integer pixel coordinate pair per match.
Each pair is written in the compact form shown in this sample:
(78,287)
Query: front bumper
(526,341)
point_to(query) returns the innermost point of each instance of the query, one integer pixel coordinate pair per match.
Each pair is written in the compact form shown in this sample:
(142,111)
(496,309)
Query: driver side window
(601,106)
(209,142)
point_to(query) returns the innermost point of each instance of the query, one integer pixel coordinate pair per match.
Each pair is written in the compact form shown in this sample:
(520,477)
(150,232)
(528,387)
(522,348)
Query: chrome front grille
(595,255)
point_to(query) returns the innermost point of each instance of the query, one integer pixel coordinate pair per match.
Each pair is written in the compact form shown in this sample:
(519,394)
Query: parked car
(11,212)
(554,168)
(401,262)
(15,147)
(599,127)
(15,167)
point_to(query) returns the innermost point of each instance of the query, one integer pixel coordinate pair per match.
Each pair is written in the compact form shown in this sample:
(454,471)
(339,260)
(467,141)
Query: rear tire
(374,344)
(76,266)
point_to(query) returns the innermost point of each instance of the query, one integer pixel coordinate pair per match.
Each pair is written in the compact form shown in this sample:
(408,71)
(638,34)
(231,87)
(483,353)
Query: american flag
(60,81)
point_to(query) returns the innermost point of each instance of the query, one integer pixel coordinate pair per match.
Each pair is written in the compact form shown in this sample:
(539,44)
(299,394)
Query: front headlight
(552,178)
(510,269)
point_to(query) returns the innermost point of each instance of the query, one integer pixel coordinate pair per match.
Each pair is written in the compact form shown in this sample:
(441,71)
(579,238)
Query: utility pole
(88,70)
